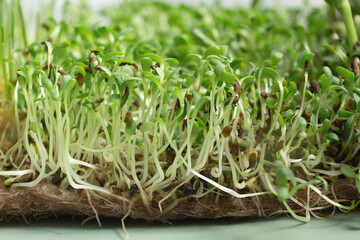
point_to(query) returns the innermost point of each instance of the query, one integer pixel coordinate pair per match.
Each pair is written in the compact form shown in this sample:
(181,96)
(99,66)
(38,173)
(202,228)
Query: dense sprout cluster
(175,102)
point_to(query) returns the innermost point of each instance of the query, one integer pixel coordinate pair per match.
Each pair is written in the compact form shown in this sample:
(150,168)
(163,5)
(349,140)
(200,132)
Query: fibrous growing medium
(174,111)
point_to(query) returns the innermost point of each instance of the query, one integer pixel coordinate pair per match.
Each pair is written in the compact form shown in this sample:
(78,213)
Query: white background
(31,5)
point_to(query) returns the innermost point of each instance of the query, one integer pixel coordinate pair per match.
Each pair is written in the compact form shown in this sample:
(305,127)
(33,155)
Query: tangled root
(47,199)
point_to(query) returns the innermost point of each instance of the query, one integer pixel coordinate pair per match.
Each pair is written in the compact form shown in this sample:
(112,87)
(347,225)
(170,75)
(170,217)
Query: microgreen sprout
(344,8)
(152,107)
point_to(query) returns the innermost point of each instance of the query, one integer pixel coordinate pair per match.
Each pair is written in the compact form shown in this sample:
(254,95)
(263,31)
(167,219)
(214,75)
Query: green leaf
(328,73)
(154,79)
(194,131)
(59,54)
(302,121)
(304,57)
(123,61)
(81,70)
(238,63)
(344,113)
(85,33)
(54,93)
(292,90)
(147,126)
(127,71)
(172,61)
(326,126)
(180,96)
(312,182)
(201,102)
(107,32)
(64,44)
(324,112)
(270,102)
(332,137)
(286,91)
(153,56)
(288,114)
(207,41)
(247,81)
(219,68)
(192,58)
(199,68)
(129,82)
(276,57)
(255,110)
(283,174)
(347,171)
(324,83)
(214,51)
(349,78)
(146,64)
(70,85)
(283,192)
(8,182)
(118,80)
(87,103)
(160,121)
(37,72)
(357,100)
(334,98)
(337,81)
(281,120)
(67,63)
(337,87)
(271,73)
(228,77)
(164,111)
(113,56)
(21,73)
(130,128)
(104,69)
(113,99)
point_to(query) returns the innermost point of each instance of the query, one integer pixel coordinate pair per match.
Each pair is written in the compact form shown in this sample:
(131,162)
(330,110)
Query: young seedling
(344,8)
(153,110)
